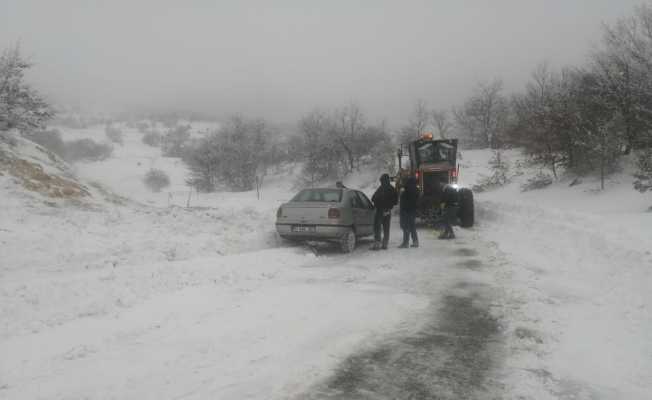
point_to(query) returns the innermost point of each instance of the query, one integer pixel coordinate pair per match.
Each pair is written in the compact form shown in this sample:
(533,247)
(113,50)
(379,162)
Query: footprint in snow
(78,352)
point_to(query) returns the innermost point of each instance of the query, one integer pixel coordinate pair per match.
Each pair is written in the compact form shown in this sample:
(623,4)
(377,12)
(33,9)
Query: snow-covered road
(274,323)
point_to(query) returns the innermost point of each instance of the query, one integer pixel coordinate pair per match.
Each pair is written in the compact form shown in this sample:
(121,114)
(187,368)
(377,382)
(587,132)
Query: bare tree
(348,127)
(633,36)
(335,144)
(482,117)
(441,122)
(174,141)
(320,154)
(204,161)
(623,65)
(417,124)
(381,148)
(643,174)
(597,126)
(236,155)
(538,119)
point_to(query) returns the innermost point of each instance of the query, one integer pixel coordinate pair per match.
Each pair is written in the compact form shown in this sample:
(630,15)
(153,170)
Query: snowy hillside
(127,293)
(124,171)
(38,170)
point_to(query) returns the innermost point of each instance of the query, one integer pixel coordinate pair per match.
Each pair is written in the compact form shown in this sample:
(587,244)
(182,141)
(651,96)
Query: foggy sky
(280,59)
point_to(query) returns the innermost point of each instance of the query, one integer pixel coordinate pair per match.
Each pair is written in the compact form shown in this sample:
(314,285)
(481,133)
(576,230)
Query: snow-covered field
(129,294)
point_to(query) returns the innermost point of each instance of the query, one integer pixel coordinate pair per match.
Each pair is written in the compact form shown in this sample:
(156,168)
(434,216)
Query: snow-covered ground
(578,265)
(129,294)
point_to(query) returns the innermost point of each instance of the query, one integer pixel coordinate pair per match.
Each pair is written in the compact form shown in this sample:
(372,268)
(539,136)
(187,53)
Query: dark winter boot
(376,246)
(415,244)
(403,246)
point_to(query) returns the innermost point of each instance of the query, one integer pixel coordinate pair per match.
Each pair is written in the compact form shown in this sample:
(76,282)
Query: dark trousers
(449,217)
(382,220)
(409,226)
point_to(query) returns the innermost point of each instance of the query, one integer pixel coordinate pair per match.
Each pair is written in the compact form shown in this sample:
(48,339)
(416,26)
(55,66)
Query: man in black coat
(409,199)
(384,199)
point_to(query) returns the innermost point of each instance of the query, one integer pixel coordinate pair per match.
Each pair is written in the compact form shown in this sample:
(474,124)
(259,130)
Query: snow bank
(578,268)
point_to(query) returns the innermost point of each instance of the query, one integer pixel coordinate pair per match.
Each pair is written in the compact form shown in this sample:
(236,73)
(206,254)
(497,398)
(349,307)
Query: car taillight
(333,213)
(279,212)
(454,173)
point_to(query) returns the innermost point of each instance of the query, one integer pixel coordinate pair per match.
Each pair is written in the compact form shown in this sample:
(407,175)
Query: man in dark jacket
(450,206)
(384,199)
(409,199)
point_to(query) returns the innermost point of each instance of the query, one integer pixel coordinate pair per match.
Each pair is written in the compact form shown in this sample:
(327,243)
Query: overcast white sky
(280,59)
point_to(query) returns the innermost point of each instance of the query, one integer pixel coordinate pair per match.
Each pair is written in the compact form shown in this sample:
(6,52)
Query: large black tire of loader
(466,213)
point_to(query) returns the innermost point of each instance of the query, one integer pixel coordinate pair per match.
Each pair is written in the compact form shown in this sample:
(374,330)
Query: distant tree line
(580,119)
(328,145)
(70,150)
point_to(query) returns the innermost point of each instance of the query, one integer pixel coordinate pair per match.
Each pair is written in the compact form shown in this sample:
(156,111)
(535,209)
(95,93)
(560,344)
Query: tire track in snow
(453,356)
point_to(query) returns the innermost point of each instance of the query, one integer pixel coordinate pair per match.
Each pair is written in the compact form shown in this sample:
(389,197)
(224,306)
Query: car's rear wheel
(348,241)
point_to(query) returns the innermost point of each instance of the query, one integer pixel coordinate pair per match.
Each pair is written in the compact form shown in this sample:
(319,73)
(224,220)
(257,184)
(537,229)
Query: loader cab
(430,161)
(435,152)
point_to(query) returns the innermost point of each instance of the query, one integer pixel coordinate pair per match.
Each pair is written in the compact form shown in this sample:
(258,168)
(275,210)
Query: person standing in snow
(384,199)
(408,209)
(450,206)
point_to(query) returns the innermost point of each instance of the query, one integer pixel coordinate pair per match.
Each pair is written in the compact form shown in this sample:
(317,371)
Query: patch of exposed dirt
(32,176)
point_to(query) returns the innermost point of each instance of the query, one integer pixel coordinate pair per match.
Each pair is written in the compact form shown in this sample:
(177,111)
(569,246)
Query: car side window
(364,201)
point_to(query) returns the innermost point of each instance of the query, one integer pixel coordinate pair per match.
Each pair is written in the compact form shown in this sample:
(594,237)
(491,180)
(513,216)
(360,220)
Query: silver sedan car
(340,215)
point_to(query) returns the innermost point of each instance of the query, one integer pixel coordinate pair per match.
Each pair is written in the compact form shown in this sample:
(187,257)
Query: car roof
(344,190)
(331,188)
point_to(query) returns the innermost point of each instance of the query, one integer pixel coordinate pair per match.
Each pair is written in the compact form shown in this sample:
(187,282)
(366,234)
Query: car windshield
(325,195)
(433,152)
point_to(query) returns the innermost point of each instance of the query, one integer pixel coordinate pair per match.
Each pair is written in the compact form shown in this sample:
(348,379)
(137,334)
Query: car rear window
(325,195)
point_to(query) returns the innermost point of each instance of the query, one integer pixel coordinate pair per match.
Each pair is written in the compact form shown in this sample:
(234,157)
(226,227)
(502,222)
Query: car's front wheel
(348,241)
